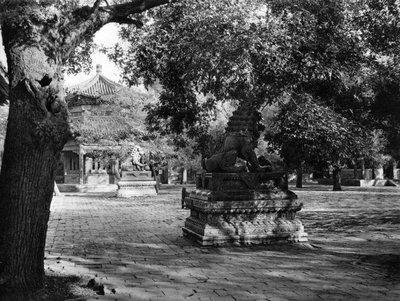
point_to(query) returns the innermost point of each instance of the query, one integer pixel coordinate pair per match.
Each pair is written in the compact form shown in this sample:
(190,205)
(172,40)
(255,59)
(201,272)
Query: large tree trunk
(36,132)
(285,180)
(26,188)
(299,178)
(355,169)
(337,185)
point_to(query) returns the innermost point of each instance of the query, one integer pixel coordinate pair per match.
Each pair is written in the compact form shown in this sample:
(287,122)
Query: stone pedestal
(396,173)
(136,183)
(243,208)
(98,178)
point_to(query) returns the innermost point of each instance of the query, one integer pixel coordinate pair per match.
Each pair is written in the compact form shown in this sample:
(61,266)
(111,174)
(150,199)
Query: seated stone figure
(234,147)
(223,162)
(135,161)
(136,156)
(240,141)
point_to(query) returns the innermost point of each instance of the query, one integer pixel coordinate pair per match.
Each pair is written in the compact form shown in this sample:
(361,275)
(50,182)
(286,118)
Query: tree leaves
(313,133)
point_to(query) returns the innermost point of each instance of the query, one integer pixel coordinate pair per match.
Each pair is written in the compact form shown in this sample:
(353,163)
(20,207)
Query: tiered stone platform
(136,183)
(243,208)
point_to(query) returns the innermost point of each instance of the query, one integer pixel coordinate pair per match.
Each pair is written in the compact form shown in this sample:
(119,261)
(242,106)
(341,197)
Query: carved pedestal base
(243,209)
(136,188)
(136,183)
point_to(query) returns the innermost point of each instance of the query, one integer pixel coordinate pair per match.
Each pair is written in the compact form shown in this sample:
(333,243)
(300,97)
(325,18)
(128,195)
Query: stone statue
(135,161)
(232,206)
(241,139)
(136,156)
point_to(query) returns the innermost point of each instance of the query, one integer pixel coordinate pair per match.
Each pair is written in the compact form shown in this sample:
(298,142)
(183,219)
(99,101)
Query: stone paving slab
(136,247)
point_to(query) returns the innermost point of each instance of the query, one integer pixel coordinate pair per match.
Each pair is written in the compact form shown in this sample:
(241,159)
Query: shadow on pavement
(136,247)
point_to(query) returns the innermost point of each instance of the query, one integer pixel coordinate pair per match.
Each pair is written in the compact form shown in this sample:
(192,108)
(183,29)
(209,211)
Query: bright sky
(2,54)
(107,36)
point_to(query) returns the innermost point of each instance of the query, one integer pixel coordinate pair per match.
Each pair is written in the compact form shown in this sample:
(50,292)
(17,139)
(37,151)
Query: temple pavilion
(102,125)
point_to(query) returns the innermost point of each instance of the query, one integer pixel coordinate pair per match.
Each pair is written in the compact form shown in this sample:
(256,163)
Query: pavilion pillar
(81,167)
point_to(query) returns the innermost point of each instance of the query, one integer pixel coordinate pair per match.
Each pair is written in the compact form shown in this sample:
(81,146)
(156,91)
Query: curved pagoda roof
(104,122)
(94,88)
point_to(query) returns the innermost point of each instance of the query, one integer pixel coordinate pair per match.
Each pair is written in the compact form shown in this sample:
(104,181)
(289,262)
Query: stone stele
(243,209)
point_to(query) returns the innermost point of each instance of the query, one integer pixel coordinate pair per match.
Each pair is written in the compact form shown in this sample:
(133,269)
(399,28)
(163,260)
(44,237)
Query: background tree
(39,37)
(308,133)
(379,23)
(330,63)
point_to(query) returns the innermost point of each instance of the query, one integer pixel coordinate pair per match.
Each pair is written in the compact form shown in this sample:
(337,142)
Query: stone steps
(111,189)
(87,188)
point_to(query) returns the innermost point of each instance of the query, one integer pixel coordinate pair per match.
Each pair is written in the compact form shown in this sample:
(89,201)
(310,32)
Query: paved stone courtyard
(135,247)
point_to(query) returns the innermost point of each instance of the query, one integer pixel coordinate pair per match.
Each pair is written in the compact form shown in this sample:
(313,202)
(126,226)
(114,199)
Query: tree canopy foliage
(378,22)
(307,132)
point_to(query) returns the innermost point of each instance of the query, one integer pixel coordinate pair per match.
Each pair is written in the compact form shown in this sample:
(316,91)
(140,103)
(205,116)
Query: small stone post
(184,176)
(395,171)
(363,171)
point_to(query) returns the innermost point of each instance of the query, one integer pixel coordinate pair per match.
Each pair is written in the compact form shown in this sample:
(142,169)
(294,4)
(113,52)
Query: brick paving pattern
(136,247)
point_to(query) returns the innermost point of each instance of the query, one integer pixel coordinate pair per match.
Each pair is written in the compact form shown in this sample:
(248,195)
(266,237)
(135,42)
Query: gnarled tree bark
(36,132)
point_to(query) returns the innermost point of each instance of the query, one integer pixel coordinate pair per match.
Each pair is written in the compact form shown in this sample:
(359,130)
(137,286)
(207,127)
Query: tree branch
(127,20)
(96,5)
(134,7)
(88,20)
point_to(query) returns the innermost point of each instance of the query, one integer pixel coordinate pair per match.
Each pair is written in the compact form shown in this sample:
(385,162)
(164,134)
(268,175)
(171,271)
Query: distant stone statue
(134,161)
(240,141)
(136,158)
